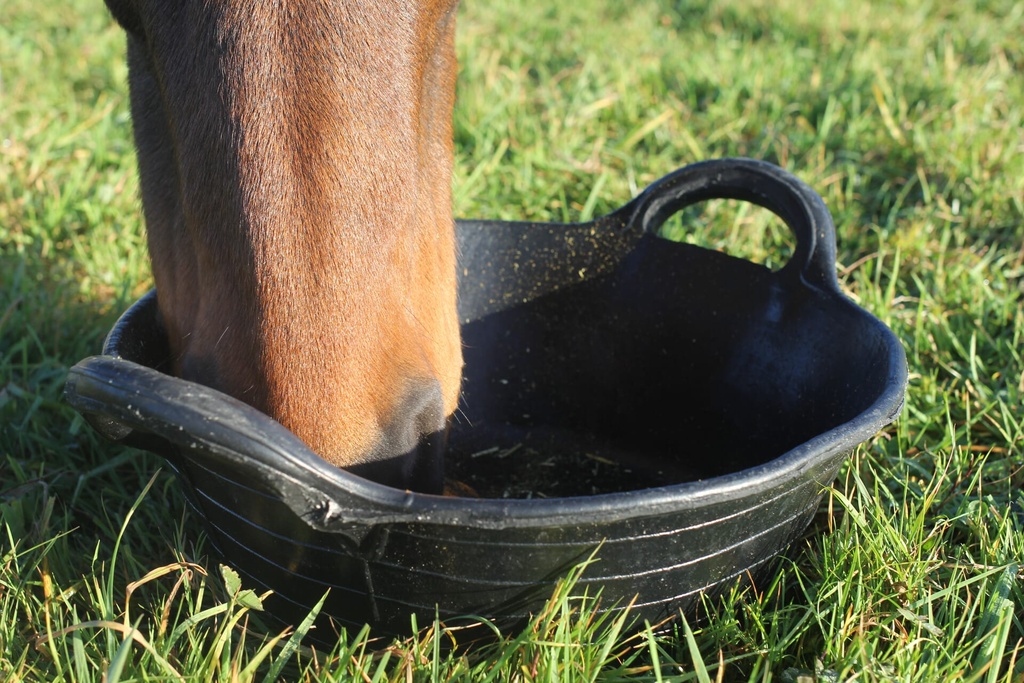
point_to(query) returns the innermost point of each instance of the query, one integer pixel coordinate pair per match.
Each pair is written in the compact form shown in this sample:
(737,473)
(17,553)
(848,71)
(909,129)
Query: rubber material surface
(741,391)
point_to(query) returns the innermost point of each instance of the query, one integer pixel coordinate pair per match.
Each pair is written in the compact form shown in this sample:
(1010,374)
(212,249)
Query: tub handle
(758,182)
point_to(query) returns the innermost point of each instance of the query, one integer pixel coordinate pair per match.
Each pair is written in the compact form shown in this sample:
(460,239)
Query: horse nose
(410,449)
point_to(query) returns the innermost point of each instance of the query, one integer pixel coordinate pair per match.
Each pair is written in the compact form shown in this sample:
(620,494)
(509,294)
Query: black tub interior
(679,365)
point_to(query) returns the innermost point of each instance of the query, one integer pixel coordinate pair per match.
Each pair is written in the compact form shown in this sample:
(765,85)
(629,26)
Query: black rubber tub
(675,409)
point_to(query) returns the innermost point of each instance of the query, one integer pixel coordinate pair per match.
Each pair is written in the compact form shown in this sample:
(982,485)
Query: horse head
(295,163)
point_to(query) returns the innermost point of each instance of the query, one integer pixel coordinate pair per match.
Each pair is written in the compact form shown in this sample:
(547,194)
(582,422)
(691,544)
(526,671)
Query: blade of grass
(290,646)
(993,630)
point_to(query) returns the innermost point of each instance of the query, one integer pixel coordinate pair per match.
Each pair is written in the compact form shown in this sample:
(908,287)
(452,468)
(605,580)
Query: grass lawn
(905,116)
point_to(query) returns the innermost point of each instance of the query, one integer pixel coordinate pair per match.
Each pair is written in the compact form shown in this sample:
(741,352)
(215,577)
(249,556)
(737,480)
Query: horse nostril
(419,413)
(410,450)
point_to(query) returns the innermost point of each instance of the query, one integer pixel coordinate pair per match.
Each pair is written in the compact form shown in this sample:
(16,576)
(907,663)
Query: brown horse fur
(295,160)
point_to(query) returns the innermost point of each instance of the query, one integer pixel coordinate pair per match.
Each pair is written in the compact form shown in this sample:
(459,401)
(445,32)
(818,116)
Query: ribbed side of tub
(382,574)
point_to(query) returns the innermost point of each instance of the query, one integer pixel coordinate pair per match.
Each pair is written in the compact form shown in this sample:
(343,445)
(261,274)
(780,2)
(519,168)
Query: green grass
(906,117)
